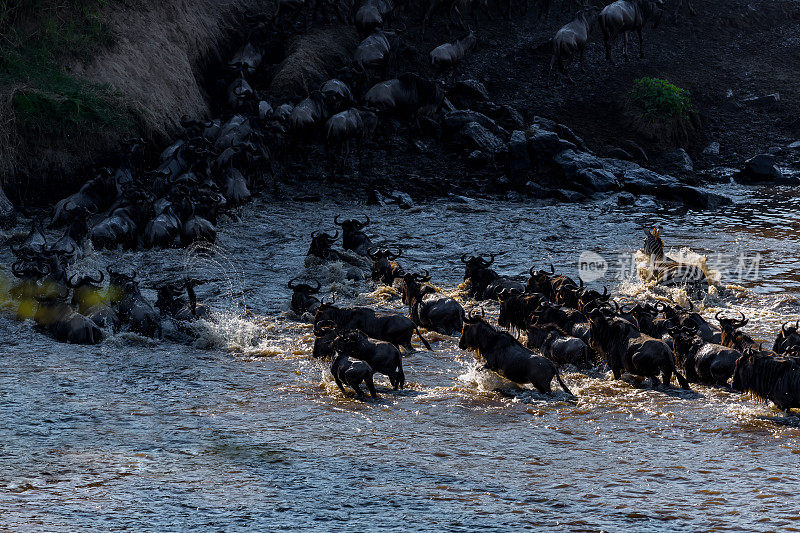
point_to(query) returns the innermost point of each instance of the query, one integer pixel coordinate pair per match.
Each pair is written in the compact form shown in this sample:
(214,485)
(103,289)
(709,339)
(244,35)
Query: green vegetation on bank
(660,100)
(38,38)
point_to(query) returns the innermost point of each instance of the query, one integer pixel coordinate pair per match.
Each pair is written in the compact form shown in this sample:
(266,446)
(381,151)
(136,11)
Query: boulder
(7,213)
(544,145)
(469,88)
(625,198)
(456,120)
(759,169)
(478,159)
(561,130)
(402,199)
(643,181)
(677,161)
(618,167)
(537,191)
(481,138)
(711,149)
(596,179)
(375,198)
(757,101)
(354,274)
(665,187)
(506,116)
(567,196)
(519,161)
(571,161)
(793,146)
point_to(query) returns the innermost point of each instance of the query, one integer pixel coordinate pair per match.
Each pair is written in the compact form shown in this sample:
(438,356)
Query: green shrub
(660,100)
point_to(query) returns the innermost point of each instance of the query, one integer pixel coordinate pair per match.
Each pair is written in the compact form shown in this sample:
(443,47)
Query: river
(241,430)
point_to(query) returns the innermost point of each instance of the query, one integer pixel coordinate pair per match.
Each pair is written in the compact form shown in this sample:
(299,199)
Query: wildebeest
(133,307)
(787,338)
(504,354)
(373,54)
(85,290)
(337,94)
(485,283)
(625,16)
(353,236)
(384,267)
(771,377)
(679,316)
(59,318)
(571,39)
(309,113)
(731,336)
(405,95)
(373,14)
(325,332)
(382,357)
(171,303)
(321,246)
(703,362)
(429,309)
(388,327)
(164,228)
(667,271)
(626,348)
(516,307)
(354,373)
(303,299)
(557,345)
(355,124)
(450,54)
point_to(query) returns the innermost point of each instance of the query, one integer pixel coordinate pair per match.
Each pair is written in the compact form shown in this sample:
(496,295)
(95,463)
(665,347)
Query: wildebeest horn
(315,234)
(318,286)
(395,256)
(491,259)
(372,252)
(742,322)
(324,326)
(423,277)
(783,327)
(472,317)
(717,316)
(291,284)
(363,224)
(336,220)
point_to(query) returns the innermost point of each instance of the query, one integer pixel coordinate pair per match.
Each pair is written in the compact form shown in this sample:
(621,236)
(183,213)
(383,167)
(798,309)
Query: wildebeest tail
(563,385)
(425,342)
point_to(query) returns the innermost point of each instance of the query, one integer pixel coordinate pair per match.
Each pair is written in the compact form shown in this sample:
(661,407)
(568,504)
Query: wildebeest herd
(544,322)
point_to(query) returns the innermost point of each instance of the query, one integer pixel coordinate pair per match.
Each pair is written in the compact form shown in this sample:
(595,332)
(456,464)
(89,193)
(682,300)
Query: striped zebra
(668,272)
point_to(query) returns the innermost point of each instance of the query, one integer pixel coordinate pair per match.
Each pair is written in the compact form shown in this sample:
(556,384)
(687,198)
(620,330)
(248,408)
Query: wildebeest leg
(641,50)
(625,46)
(339,383)
(427,17)
(355,382)
(371,386)
(607,43)
(654,380)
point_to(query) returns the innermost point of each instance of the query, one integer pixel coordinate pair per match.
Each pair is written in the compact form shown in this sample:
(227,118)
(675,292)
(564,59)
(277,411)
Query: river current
(242,430)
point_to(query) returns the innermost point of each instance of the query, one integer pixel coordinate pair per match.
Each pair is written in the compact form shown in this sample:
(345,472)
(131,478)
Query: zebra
(669,272)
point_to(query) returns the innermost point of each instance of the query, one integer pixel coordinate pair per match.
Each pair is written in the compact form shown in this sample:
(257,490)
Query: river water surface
(242,430)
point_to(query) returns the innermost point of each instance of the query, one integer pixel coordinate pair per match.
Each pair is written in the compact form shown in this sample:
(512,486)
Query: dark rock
(619,153)
(635,150)
(478,159)
(456,120)
(596,179)
(561,130)
(308,198)
(355,274)
(402,199)
(7,214)
(470,88)
(508,117)
(537,191)
(758,169)
(375,198)
(618,167)
(643,181)
(568,196)
(665,187)
(768,99)
(625,198)
(513,196)
(677,161)
(794,127)
(572,161)
(711,149)
(544,145)
(794,146)
(519,161)
(483,139)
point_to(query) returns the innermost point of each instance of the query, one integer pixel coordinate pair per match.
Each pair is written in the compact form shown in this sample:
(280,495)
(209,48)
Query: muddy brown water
(243,431)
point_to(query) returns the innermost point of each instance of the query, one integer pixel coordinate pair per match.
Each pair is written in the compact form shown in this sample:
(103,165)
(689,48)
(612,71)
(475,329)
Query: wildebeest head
(591,296)
(788,338)
(321,244)
(539,281)
(383,266)
(473,264)
(411,289)
(729,328)
(303,287)
(759,371)
(86,289)
(473,330)
(351,225)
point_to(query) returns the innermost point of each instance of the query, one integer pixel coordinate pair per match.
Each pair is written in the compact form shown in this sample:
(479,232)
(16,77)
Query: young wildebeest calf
(382,357)
(353,373)
(625,16)
(572,39)
(506,356)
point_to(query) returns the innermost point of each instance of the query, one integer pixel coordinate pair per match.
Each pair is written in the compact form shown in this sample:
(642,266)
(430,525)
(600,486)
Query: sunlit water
(244,431)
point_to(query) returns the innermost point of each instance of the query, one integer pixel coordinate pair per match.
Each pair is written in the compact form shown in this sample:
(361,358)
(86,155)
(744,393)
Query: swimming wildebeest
(62,321)
(516,307)
(557,345)
(505,355)
(321,246)
(133,307)
(384,267)
(732,337)
(768,376)
(388,327)
(353,236)
(325,332)
(382,357)
(626,348)
(625,16)
(703,362)
(788,337)
(571,39)
(354,373)
(303,296)
(429,309)
(485,283)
